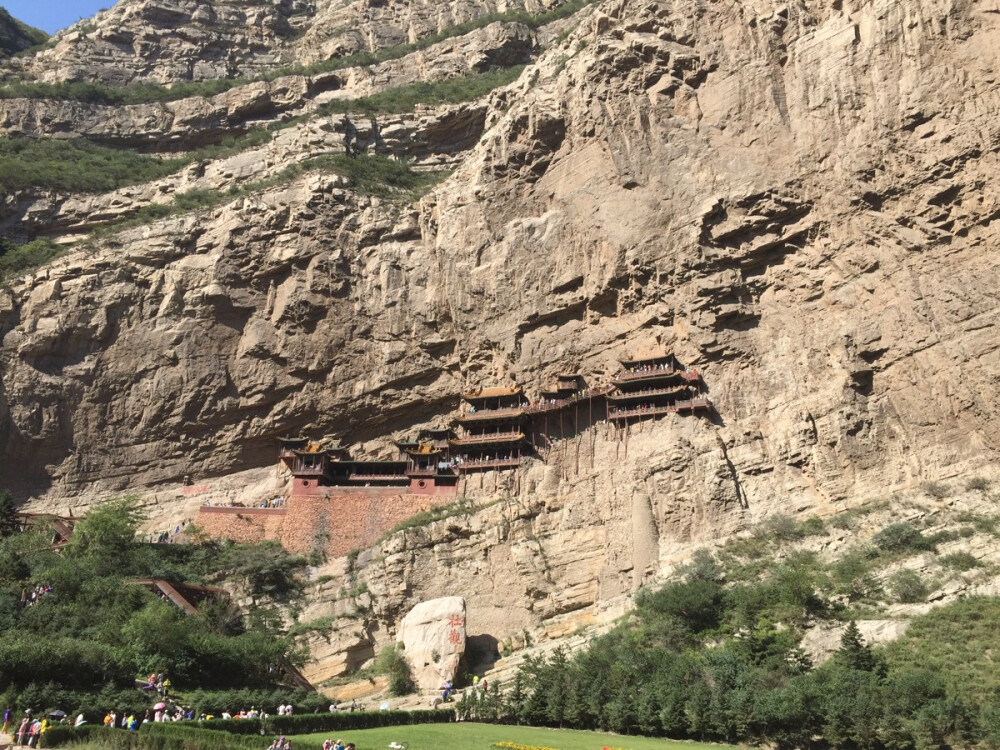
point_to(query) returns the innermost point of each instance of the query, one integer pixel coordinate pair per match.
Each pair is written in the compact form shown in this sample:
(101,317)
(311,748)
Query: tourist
(80,721)
(354,704)
(281,710)
(22,731)
(333,708)
(288,710)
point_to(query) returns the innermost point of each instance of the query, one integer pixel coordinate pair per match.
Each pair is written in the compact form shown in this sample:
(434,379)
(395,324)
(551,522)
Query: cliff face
(169,41)
(796,198)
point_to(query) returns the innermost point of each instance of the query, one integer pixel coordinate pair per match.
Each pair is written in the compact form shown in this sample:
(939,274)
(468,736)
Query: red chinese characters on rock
(454,623)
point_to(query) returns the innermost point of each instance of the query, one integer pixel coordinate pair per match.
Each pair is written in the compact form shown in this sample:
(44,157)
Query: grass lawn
(470,736)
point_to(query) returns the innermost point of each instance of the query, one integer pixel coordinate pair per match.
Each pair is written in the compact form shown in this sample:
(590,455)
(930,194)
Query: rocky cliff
(170,41)
(794,197)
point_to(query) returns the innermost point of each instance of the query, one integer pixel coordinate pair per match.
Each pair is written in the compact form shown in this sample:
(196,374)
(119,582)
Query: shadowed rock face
(795,198)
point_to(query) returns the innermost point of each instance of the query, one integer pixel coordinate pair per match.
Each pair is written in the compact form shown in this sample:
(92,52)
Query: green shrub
(779,528)
(960,561)
(907,587)
(852,575)
(937,490)
(16,260)
(812,526)
(75,166)
(901,537)
(392,662)
(977,484)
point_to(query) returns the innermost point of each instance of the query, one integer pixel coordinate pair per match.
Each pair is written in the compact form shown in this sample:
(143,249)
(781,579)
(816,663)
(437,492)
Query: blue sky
(52,15)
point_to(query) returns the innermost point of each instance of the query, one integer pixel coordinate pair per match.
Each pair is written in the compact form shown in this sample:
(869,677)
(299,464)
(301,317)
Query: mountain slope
(796,199)
(16,36)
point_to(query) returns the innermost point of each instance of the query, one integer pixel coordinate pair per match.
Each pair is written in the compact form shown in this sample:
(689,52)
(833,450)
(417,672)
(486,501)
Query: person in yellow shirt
(107,719)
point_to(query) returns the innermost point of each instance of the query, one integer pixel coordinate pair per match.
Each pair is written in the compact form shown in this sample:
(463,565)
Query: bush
(960,561)
(18,259)
(166,736)
(977,484)
(75,166)
(392,662)
(901,537)
(937,490)
(907,587)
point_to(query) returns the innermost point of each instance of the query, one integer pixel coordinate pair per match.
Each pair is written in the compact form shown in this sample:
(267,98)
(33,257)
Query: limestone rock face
(433,639)
(170,41)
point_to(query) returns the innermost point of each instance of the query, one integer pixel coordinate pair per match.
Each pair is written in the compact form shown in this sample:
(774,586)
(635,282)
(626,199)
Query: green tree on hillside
(8,515)
(854,653)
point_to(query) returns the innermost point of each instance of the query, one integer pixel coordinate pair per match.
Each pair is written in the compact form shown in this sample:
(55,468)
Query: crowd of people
(335,745)
(28,732)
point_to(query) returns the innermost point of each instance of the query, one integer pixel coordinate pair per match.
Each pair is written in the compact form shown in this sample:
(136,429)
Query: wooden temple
(319,465)
(650,387)
(497,427)
(492,431)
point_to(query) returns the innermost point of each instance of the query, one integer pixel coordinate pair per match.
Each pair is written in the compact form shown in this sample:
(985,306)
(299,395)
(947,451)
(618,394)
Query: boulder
(433,639)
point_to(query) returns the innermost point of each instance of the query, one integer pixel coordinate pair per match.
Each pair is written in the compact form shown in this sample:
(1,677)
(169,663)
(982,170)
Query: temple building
(497,428)
(651,387)
(492,428)
(319,466)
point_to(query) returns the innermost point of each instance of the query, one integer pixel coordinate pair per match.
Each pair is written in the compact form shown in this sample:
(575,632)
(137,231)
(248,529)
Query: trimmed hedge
(166,736)
(234,734)
(326,722)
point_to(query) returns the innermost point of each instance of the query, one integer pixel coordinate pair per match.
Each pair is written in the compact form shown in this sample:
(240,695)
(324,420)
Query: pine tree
(854,653)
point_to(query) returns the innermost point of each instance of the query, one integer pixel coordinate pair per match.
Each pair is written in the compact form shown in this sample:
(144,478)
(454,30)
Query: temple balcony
(486,415)
(693,405)
(493,437)
(653,373)
(496,463)
(650,393)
